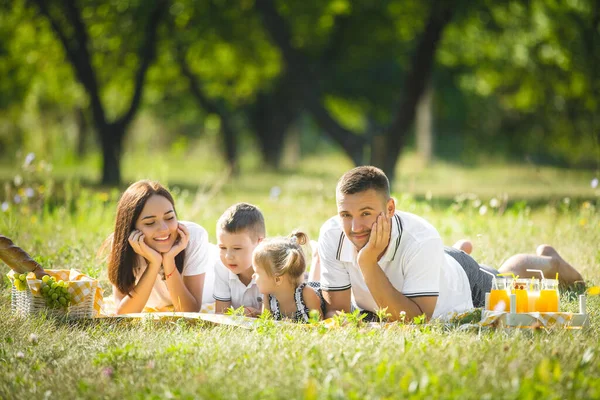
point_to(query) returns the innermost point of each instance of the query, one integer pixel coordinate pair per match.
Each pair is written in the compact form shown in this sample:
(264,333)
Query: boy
(239,230)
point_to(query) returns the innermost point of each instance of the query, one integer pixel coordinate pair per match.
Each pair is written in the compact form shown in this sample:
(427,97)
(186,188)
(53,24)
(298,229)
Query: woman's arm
(185,291)
(136,301)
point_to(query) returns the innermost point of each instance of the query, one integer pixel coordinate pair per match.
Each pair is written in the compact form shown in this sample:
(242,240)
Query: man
(385,258)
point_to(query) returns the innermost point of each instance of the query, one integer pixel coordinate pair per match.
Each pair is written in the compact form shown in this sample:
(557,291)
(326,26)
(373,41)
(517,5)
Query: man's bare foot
(567,275)
(464,245)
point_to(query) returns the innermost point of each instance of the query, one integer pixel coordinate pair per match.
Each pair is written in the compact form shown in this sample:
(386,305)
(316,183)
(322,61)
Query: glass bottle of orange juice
(549,300)
(519,288)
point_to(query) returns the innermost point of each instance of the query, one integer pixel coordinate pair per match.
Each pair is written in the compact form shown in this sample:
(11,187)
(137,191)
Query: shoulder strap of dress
(300,305)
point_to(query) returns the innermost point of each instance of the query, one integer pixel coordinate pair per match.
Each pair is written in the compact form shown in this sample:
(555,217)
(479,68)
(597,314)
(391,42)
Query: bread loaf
(17,259)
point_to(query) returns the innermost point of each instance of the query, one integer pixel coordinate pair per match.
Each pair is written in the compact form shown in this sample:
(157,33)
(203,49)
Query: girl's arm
(221,306)
(312,300)
(140,293)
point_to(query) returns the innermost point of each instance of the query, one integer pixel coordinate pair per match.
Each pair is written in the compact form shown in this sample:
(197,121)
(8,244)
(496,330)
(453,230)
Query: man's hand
(378,242)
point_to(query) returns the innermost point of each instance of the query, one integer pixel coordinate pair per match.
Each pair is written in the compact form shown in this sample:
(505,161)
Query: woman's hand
(136,240)
(181,242)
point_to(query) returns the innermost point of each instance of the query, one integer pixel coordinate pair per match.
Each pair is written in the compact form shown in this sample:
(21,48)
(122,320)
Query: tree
(70,27)
(386,146)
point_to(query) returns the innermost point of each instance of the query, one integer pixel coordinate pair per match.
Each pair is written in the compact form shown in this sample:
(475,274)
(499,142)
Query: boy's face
(235,250)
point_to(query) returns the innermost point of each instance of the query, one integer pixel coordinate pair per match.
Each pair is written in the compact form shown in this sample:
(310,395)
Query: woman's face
(158,223)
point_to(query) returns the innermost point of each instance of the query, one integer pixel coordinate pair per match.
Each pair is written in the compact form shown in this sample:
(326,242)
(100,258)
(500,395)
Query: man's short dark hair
(243,217)
(361,179)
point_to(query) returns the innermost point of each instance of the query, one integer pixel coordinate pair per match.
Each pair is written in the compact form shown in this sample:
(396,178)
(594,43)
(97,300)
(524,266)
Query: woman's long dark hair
(122,259)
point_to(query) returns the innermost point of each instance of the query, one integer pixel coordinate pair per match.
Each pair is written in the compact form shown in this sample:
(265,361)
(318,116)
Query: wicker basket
(25,303)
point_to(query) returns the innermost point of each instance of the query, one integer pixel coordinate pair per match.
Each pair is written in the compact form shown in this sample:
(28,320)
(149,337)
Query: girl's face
(266,284)
(158,223)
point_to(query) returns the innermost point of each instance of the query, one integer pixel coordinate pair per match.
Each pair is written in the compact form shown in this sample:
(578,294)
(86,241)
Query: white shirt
(228,287)
(199,258)
(414,262)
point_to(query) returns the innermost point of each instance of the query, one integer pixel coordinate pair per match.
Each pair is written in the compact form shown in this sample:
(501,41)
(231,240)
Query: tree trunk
(229,142)
(81,126)
(418,76)
(111,142)
(423,125)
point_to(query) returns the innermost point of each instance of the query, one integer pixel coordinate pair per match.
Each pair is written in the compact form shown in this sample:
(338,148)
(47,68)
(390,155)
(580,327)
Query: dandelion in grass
(275,193)
(20,355)
(5,206)
(494,203)
(28,159)
(594,183)
(483,210)
(18,180)
(33,338)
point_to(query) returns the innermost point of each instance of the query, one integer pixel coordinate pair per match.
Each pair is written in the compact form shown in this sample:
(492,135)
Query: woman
(155,260)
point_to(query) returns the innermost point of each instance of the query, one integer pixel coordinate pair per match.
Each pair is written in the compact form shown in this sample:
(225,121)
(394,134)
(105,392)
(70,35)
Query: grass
(64,226)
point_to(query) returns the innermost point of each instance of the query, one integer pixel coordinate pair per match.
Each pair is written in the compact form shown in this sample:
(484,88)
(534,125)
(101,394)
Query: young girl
(279,266)
(155,260)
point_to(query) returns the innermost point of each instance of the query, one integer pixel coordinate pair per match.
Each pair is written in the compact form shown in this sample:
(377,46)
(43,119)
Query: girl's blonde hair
(282,256)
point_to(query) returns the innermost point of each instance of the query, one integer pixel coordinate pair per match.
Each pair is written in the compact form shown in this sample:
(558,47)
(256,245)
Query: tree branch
(146,55)
(307,80)
(77,52)
(419,72)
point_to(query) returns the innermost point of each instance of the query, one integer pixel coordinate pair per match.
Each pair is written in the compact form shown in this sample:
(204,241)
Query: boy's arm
(221,306)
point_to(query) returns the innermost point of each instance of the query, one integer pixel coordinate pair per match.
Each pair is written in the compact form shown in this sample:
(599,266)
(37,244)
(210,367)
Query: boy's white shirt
(414,262)
(199,259)
(228,287)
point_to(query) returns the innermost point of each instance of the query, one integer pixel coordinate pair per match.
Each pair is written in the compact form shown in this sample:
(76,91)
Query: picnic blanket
(109,308)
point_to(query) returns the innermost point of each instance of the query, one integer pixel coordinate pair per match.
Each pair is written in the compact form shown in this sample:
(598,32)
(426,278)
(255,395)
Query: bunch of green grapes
(56,293)
(21,282)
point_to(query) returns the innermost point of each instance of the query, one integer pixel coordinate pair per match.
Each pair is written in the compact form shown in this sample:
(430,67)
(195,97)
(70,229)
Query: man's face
(359,211)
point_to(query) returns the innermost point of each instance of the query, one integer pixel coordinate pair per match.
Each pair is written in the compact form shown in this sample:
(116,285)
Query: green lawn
(144,359)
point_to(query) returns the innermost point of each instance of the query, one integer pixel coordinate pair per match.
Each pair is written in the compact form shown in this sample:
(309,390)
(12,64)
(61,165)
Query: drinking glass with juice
(499,300)
(533,294)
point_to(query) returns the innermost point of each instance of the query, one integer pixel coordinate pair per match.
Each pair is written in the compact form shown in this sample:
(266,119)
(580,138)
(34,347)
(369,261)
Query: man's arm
(336,301)
(380,287)
(385,295)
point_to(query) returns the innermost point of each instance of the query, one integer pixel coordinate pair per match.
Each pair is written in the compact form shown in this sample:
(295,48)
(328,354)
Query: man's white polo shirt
(414,262)
(228,287)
